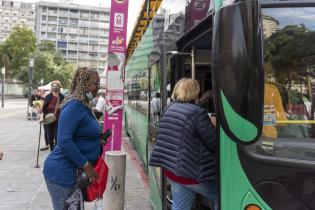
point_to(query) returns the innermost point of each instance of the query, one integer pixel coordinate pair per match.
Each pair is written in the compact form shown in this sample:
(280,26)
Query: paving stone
(22,187)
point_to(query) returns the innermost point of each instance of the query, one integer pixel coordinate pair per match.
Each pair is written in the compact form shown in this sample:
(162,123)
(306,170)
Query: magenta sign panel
(196,10)
(115,73)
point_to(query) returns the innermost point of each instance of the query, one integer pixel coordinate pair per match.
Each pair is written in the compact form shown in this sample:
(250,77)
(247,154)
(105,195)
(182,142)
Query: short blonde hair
(57,82)
(186,90)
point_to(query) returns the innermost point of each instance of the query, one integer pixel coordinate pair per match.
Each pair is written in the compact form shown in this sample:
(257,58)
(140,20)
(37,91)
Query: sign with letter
(115,73)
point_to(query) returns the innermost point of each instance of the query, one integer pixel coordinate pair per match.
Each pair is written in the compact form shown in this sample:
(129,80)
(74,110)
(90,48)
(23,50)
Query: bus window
(155,99)
(289,57)
(143,93)
(133,89)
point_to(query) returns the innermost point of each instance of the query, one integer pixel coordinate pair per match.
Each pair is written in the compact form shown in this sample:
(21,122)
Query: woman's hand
(41,118)
(90,173)
(213,121)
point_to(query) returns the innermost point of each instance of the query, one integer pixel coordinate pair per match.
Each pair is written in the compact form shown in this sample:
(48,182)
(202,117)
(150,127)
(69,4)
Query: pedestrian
(78,144)
(52,105)
(46,147)
(186,147)
(35,104)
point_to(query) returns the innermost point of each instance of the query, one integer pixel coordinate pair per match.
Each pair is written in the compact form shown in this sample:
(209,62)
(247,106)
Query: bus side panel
(236,190)
(141,136)
(138,131)
(154,180)
(136,126)
(129,123)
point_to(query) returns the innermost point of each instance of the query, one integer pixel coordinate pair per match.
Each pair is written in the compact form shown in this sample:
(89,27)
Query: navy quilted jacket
(186,142)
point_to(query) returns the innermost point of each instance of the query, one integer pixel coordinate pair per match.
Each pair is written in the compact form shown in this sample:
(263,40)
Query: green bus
(255,62)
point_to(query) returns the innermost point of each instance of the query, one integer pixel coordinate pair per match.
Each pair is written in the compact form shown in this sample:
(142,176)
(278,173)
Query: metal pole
(29,94)
(40,134)
(3,81)
(163,60)
(193,71)
(30,81)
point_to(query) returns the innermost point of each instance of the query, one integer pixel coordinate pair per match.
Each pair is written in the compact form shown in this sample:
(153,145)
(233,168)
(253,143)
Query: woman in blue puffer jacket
(186,147)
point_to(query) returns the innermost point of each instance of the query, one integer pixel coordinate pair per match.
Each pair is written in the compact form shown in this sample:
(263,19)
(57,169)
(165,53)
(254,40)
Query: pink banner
(115,73)
(118,26)
(196,10)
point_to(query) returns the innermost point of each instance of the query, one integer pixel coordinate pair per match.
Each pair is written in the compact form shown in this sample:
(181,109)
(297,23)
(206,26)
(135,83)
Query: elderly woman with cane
(51,112)
(78,145)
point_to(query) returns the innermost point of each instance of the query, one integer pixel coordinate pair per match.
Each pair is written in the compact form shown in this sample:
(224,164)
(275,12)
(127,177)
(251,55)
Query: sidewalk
(22,186)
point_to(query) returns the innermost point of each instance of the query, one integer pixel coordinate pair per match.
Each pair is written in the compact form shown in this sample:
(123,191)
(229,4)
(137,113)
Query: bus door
(264,83)
(154,114)
(199,40)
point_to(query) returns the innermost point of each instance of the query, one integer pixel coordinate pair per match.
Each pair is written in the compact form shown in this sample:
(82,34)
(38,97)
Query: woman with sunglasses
(78,138)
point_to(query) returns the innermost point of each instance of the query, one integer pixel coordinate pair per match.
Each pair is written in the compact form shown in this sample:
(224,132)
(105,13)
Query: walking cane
(40,134)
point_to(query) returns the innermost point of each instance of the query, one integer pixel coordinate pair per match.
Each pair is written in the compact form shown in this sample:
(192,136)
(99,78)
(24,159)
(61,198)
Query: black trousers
(51,130)
(46,136)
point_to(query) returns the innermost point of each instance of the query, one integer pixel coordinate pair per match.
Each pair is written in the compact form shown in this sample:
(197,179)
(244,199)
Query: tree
(47,46)
(49,65)
(286,50)
(17,48)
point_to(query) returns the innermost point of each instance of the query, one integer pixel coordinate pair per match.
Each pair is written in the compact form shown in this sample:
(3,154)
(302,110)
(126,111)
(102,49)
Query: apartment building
(79,32)
(14,13)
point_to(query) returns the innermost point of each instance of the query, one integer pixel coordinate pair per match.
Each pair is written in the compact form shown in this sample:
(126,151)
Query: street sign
(31,62)
(3,70)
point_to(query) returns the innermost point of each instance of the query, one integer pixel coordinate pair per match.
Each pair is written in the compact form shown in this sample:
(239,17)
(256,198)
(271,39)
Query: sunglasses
(97,83)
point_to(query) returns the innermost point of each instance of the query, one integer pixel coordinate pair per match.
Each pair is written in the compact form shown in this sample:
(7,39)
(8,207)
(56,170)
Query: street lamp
(3,81)
(192,54)
(30,81)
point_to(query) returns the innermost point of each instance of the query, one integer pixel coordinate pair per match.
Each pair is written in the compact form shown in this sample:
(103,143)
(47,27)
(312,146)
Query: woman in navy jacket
(186,147)
(78,138)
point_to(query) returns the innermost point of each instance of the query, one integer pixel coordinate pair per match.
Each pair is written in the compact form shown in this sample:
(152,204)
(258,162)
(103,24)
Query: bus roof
(142,23)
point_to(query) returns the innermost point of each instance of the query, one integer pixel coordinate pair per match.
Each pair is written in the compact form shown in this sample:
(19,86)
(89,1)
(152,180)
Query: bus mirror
(238,70)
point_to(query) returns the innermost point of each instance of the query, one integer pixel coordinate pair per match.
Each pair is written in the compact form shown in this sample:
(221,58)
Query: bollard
(114,196)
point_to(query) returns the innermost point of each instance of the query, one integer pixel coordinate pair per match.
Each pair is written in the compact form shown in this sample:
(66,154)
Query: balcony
(84,15)
(63,13)
(73,48)
(72,56)
(53,22)
(52,12)
(74,15)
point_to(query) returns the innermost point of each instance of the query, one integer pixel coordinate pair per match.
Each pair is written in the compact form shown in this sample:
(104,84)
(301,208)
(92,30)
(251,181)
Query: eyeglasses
(97,83)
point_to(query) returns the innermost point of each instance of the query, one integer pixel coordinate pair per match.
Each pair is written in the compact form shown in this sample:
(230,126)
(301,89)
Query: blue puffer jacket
(186,142)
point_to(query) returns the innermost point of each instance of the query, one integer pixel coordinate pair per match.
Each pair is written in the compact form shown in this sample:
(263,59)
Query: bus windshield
(289,101)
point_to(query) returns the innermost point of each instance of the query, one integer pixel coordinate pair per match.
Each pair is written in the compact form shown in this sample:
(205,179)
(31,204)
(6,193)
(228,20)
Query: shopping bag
(97,188)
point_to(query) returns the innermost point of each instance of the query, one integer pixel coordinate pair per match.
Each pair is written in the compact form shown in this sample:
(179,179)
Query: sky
(134,9)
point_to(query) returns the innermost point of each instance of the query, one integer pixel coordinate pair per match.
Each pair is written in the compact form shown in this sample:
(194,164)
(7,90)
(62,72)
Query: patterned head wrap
(79,85)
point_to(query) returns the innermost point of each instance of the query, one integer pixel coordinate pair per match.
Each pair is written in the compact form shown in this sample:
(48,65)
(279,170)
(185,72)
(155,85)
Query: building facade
(79,32)
(15,13)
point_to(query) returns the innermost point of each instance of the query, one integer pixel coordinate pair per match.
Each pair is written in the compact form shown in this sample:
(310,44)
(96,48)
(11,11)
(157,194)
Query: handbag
(96,189)
(51,117)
